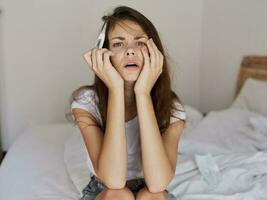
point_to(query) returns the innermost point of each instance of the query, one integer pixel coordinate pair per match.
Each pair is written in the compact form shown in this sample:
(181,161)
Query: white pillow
(77,161)
(253,96)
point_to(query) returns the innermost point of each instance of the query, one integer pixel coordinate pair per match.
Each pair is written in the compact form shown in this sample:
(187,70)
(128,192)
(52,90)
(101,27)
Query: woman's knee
(118,194)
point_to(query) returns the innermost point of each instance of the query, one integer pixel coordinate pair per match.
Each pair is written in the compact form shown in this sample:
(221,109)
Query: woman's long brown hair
(163,97)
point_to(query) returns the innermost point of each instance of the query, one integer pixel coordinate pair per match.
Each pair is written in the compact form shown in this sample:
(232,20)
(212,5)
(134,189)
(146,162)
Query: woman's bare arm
(112,162)
(108,152)
(158,162)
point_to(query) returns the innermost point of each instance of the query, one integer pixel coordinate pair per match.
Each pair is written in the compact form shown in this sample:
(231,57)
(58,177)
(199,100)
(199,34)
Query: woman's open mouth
(131,67)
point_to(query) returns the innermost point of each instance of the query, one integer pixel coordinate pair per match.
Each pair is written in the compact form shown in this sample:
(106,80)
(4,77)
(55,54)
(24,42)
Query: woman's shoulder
(86,98)
(85,95)
(178,111)
(178,106)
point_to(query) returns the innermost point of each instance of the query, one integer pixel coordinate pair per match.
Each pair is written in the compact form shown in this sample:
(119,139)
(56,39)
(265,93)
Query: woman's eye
(141,44)
(117,44)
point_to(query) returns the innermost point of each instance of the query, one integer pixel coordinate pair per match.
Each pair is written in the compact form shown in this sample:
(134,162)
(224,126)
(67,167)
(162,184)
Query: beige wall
(1,78)
(231,29)
(43,43)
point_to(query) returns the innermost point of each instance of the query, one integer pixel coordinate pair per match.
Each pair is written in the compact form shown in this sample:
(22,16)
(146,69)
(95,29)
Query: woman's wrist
(116,89)
(142,94)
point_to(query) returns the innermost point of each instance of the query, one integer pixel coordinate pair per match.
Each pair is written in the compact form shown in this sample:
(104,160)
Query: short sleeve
(178,113)
(87,101)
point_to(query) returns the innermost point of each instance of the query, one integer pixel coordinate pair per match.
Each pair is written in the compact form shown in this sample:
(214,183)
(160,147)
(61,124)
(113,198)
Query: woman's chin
(132,78)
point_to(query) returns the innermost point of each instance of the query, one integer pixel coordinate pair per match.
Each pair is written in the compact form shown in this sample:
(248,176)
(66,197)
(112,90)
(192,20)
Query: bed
(220,156)
(225,155)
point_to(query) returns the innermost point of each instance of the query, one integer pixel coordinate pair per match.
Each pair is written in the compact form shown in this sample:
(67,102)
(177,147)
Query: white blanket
(234,154)
(242,176)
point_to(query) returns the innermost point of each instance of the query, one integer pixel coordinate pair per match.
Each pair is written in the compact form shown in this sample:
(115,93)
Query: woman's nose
(130,52)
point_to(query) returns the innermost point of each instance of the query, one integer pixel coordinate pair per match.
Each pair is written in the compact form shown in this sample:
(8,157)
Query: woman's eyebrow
(122,38)
(139,37)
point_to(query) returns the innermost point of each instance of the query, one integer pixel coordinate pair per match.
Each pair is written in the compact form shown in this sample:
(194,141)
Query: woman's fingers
(87,57)
(152,53)
(99,56)
(160,57)
(95,58)
(157,52)
(146,56)
(158,61)
(106,57)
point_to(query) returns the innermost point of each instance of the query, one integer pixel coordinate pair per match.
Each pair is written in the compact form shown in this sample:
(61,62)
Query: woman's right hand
(99,61)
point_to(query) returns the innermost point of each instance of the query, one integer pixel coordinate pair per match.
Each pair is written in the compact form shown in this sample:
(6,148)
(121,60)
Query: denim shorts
(95,186)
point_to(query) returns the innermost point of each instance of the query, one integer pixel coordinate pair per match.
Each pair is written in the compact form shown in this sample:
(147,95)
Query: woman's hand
(151,70)
(99,62)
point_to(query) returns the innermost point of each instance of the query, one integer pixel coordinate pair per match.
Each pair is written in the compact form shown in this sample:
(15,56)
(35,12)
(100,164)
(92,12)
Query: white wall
(1,74)
(231,29)
(42,46)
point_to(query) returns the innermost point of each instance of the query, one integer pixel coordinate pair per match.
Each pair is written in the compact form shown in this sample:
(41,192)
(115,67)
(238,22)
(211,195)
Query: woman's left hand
(152,68)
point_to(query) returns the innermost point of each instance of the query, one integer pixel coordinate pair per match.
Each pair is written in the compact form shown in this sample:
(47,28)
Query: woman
(130,119)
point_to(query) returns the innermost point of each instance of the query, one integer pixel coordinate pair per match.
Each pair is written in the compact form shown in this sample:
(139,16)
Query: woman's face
(125,41)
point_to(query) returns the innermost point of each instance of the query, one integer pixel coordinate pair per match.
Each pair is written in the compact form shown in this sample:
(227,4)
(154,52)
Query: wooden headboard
(252,67)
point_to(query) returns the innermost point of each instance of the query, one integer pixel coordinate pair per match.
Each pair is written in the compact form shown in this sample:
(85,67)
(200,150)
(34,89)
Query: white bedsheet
(236,148)
(34,167)
(243,176)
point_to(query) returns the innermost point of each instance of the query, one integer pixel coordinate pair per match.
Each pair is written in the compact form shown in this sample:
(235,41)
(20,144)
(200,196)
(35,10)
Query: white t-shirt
(88,101)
